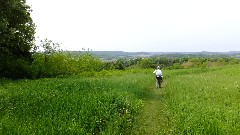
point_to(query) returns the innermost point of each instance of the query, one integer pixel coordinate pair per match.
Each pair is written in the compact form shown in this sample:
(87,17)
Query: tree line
(170,63)
(52,63)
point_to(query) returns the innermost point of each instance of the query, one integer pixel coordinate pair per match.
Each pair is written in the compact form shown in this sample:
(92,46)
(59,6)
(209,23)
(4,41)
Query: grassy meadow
(72,105)
(194,101)
(203,101)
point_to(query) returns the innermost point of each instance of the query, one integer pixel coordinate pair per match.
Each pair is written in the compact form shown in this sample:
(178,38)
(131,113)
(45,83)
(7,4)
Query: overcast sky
(139,25)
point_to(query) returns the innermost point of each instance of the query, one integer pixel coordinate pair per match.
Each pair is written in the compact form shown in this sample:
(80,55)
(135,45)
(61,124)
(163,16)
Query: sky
(139,25)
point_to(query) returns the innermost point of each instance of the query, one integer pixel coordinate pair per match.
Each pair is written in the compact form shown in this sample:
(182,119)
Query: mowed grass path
(152,119)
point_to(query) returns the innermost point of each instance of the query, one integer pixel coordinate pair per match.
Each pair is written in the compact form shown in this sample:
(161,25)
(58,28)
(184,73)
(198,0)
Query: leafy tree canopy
(16,29)
(16,38)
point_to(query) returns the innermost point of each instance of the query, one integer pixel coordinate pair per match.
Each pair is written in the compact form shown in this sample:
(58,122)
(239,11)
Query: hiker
(159,76)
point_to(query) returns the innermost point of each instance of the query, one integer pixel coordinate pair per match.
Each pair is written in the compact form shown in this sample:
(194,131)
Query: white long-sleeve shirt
(157,72)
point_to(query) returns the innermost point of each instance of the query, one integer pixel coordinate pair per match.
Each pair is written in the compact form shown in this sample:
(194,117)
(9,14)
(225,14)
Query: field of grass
(72,105)
(192,101)
(205,102)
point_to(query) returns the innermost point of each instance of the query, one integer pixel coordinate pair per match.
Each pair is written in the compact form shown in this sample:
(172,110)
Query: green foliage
(57,64)
(88,62)
(16,37)
(11,67)
(176,66)
(146,63)
(119,64)
(234,61)
(108,65)
(47,47)
(49,66)
(50,61)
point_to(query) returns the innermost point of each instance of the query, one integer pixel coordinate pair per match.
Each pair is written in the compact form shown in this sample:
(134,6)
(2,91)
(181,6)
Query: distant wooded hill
(113,55)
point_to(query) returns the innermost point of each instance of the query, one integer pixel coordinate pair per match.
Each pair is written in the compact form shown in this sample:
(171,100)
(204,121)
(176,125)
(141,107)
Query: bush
(14,68)
(58,64)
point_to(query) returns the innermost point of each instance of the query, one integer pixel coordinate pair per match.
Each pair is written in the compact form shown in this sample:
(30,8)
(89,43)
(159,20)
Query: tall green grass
(72,105)
(197,101)
(203,102)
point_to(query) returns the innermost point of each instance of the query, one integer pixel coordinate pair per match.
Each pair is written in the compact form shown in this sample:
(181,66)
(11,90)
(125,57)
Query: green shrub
(58,64)
(14,68)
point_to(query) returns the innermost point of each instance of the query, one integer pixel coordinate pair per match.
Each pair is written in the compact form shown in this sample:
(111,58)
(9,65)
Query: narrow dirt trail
(152,119)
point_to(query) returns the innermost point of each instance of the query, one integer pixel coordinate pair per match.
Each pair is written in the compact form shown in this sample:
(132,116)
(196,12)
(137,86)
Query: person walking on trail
(159,77)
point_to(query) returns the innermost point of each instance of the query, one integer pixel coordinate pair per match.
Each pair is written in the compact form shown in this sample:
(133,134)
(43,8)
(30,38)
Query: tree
(146,63)
(119,64)
(16,37)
